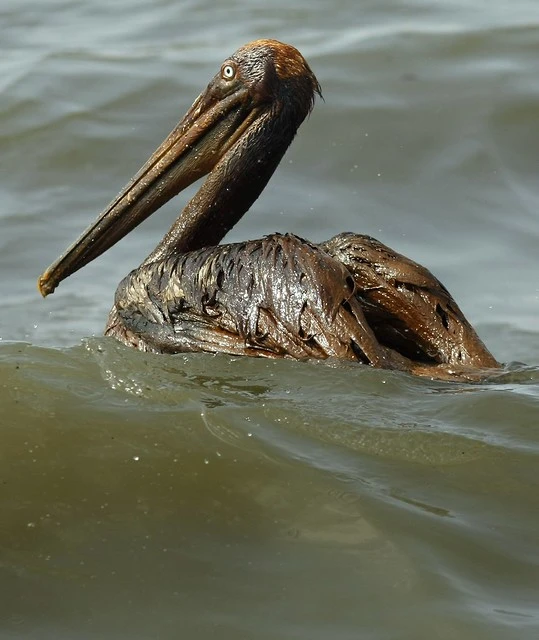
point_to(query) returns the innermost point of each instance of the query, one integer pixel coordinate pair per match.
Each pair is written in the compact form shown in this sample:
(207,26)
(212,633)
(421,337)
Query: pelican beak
(212,125)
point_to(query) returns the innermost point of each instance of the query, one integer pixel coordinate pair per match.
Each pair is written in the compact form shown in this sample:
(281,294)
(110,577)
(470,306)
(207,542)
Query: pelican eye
(228,71)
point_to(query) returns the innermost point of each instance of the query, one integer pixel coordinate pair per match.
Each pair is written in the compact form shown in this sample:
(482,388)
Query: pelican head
(236,131)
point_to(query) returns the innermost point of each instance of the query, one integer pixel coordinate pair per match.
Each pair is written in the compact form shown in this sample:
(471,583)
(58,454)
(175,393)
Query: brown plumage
(350,297)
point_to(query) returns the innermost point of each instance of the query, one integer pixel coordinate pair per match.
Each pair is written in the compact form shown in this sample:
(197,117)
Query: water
(201,497)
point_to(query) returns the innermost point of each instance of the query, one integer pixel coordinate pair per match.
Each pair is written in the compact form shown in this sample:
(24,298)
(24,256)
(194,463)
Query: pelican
(350,298)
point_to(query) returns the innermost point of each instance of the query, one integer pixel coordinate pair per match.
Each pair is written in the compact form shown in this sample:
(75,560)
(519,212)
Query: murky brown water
(209,497)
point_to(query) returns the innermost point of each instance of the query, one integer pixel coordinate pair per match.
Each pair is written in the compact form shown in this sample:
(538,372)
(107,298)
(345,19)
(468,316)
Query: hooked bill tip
(44,285)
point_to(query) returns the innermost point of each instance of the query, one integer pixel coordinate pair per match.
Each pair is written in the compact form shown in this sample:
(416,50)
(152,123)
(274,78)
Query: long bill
(210,127)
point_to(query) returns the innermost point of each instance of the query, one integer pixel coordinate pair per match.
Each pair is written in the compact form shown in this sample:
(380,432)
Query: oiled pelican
(281,296)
